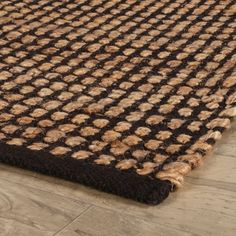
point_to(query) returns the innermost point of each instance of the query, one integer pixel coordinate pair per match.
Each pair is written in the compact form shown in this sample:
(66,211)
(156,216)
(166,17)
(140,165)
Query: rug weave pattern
(142,87)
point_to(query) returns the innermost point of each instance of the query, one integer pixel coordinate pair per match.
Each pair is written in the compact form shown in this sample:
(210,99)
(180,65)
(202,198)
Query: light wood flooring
(36,205)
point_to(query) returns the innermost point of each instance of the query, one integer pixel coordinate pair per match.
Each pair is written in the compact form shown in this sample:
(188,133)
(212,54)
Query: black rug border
(127,184)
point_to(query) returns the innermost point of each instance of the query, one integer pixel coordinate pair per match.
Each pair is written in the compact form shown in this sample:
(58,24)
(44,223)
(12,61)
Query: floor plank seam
(71,222)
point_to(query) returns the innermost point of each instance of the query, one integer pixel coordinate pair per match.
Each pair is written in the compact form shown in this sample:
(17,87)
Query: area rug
(125,96)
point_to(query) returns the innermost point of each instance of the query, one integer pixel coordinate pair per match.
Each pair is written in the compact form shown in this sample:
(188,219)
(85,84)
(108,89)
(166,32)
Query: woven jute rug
(125,96)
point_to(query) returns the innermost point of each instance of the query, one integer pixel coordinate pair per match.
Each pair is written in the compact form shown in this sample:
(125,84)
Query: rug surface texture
(125,96)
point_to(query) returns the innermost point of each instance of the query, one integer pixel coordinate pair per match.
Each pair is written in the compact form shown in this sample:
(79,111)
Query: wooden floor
(32,204)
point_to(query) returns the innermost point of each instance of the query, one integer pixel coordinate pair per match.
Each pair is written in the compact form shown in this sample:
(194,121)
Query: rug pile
(122,95)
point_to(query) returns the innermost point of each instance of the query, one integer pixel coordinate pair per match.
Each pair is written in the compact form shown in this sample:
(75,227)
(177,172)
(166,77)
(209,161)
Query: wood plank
(201,211)
(216,168)
(27,211)
(227,145)
(104,222)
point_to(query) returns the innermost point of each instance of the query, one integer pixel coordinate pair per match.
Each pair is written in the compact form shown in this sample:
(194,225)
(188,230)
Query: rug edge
(123,183)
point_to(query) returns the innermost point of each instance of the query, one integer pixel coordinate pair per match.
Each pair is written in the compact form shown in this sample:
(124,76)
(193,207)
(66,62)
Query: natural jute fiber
(125,96)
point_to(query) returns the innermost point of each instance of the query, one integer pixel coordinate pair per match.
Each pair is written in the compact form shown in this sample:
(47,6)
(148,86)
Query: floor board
(30,211)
